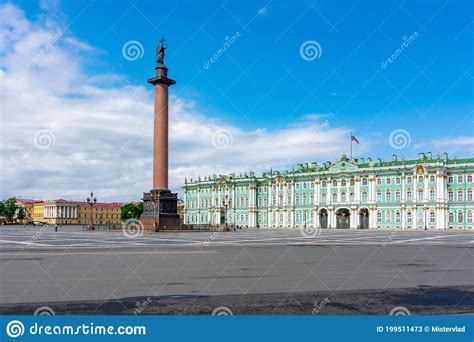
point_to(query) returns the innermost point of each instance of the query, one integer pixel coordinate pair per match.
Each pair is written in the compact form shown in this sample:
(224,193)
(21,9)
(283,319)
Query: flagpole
(351,145)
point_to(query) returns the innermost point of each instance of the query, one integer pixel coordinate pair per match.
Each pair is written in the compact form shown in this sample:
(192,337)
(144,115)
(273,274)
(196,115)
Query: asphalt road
(257,271)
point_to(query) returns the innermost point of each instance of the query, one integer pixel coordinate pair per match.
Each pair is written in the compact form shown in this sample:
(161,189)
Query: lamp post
(91,200)
(226,203)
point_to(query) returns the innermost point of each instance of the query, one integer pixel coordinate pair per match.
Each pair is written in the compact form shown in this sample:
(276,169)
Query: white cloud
(451,144)
(102,126)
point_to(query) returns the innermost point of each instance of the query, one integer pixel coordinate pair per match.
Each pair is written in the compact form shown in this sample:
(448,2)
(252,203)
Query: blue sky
(262,84)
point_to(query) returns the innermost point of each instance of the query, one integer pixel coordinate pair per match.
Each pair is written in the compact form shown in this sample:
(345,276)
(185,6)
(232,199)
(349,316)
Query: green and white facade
(431,192)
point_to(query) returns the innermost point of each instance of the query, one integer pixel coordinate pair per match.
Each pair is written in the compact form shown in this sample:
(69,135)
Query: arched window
(351,182)
(343,197)
(450,195)
(388,196)
(469,178)
(408,180)
(323,184)
(451,217)
(398,197)
(334,183)
(409,217)
(397,217)
(323,198)
(432,194)
(469,216)
(304,199)
(297,199)
(351,197)
(343,182)
(334,196)
(379,217)
(450,180)
(387,216)
(421,218)
(460,217)
(420,179)
(409,195)
(364,196)
(459,179)
(420,195)
(469,194)
(432,217)
(379,196)
(364,181)
(460,195)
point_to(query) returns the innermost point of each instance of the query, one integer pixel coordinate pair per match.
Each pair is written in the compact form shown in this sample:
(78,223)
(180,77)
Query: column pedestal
(160,210)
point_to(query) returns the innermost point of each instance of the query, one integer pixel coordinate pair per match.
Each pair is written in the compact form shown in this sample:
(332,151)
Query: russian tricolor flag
(353,138)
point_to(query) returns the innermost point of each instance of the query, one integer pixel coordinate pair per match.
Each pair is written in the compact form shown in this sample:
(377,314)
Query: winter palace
(424,193)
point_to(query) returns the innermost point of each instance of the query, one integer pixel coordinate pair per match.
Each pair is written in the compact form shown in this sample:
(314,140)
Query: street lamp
(91,200)
(226,202)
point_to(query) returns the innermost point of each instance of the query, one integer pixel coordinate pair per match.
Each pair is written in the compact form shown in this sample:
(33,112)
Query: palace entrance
(343,218)
(323,218)
(364,218)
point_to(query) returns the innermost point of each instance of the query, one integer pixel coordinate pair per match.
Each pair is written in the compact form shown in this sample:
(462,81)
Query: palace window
(304,185)
(312,198)
(297,199)
(397,180)
(420,195)
(397,217)
(450,195)
(364,181)
(289,200)
(334,183)
(469,216)
(398,196)
(388,180)
(432,178)
(432,217)
(334,197)
(420,179)
(343,197)
(364,196)
(469,195)
(297,186)
(323,198)
(420,217)
(387,216)
(408,180)
(351,197)
(304,199)
(379,196)
(432,194)
(388,196)
(469,178)
(460,196)
(459,179)
(450,180)
(323,184)
(460,217)
(343,182)
(351,182)
(409,196)
(409,217)
(379,217)
(312,185)
(379,181)
(451,217)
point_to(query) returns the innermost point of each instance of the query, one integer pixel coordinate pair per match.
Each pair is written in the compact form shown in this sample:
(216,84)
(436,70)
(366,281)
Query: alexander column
(160,204)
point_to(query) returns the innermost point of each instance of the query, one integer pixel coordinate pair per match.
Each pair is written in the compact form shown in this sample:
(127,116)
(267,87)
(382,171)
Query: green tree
(9,208)
(20,215)
(131,210)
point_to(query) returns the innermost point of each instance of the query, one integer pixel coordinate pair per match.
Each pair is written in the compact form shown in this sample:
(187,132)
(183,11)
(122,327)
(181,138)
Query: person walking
(56,227)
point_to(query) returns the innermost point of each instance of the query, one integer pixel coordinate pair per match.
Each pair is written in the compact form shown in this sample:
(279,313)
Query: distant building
(432,193)
(72,212)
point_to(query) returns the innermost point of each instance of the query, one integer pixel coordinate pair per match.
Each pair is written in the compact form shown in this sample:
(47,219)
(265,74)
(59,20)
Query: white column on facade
(403,180)
(415,188)
(317,191)
(426,190)
(329,192)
